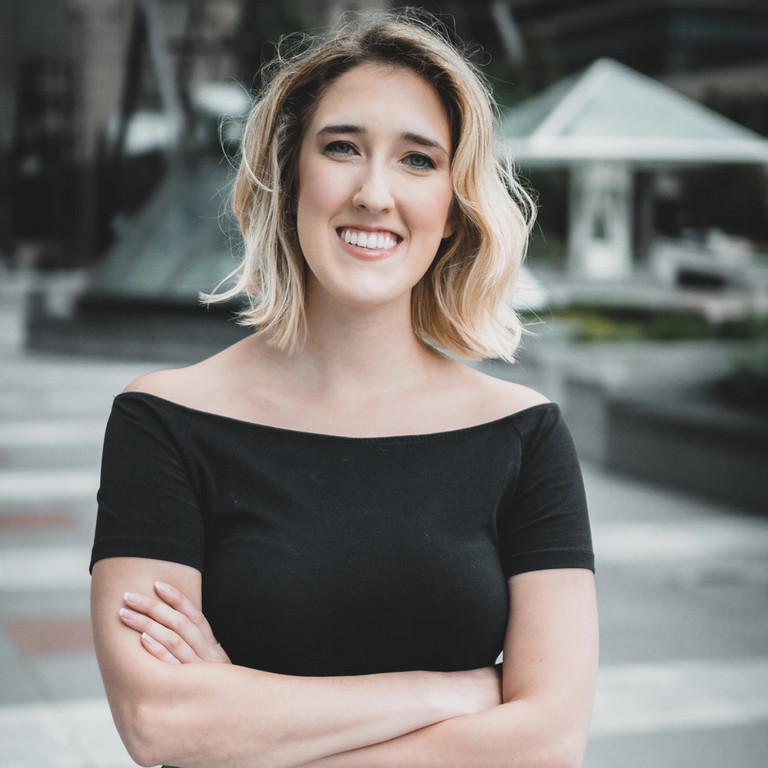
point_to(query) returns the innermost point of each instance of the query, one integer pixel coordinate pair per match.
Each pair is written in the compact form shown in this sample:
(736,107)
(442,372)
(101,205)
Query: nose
(374,193)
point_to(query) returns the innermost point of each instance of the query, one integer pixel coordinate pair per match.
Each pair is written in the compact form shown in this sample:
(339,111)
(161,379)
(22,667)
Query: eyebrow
(416,138)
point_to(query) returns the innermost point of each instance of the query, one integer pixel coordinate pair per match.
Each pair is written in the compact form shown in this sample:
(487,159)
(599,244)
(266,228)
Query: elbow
(140,756)
(137,724)
(553,753)
(564,752)
(150,732)
(549,744)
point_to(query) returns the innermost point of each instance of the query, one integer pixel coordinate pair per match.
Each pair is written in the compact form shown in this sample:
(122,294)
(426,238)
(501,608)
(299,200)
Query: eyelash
(430,163)
(342,148)
(333,148)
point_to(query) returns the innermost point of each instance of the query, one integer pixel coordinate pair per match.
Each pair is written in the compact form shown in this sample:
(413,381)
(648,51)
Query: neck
(355,353)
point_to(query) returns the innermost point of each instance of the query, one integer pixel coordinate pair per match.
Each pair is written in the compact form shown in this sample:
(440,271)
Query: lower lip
(367,254)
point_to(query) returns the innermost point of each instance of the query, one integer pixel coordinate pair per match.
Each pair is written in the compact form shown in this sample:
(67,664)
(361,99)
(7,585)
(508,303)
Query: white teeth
(371,240)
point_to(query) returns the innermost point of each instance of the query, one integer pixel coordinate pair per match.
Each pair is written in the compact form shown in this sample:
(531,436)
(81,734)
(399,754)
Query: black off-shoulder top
(330,555)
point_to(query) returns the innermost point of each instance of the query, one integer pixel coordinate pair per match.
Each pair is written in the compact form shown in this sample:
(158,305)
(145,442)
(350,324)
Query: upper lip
(378,230)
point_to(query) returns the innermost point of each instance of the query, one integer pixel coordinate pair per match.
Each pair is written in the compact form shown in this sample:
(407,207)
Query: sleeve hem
(544,560)
(151,550)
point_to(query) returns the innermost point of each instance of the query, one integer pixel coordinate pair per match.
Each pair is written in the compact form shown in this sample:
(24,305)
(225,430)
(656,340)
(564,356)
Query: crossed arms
(180,702)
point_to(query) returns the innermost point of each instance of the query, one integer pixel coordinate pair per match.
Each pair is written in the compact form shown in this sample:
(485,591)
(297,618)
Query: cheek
(308,196)
(434,211)
(322,194)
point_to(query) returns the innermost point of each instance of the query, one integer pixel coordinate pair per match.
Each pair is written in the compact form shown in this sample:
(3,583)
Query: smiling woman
(373,171)
(312,547)
(462,303)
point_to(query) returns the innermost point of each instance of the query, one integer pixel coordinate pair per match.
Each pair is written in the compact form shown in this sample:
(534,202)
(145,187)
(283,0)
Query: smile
(373,241)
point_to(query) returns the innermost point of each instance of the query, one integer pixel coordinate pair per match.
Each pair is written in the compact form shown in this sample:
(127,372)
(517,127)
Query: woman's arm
(550,668)
(219,714)
(549,677)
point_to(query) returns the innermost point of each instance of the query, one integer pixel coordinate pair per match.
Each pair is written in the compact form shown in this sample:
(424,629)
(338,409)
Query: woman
(364,521)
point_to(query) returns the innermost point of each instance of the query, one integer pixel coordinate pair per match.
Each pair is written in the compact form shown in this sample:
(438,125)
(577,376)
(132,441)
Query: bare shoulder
(510,397)
(495,398)
(177,384)
(162,383)
(192,385)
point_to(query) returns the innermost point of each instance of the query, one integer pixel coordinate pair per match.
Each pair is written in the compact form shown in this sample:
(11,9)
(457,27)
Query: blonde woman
(312,547)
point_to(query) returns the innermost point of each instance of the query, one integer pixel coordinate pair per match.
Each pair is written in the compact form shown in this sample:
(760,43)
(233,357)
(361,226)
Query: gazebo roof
(611,112)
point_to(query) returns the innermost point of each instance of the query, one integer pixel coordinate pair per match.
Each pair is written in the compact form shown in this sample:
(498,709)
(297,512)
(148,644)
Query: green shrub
(594,323)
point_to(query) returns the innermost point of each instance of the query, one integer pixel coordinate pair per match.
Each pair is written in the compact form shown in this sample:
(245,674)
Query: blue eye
(340,148)
(422,162)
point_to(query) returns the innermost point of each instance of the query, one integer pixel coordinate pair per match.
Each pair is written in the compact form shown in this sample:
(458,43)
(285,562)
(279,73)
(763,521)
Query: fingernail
(132,598)
(162,588)
(127,613)
(149,640)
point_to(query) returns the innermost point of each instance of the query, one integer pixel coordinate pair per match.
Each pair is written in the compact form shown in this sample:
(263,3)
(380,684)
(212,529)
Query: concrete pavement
(683,587)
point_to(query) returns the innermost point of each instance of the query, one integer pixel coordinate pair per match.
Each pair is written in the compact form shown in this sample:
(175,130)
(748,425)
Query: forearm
(219,714)
(551,655)
(520,733)
(204,714)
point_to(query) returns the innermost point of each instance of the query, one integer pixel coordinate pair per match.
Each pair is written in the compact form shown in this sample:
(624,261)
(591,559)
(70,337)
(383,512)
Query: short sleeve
(147,506)
(544,521)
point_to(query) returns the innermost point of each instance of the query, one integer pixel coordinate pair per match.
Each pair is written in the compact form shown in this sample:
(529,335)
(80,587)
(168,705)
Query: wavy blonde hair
(461,303)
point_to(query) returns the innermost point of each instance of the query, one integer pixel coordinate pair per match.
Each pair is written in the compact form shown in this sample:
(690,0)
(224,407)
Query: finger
(178,600)
(211,650)
(167,616)
(158,650)
(170,640)
(188,631)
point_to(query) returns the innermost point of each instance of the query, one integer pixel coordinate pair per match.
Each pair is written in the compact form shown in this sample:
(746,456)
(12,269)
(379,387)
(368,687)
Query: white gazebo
(603,123)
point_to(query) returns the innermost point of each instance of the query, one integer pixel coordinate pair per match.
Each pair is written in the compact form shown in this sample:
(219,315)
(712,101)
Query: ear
(449,229)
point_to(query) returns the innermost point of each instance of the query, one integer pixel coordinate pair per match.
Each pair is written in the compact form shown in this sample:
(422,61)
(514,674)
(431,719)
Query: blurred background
(642,128)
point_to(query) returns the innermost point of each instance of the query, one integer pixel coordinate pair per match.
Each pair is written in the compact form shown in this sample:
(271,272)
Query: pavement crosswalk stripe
(672,695)
(67,734)
(628,542)
(51,432)
(38,485)
(44,568)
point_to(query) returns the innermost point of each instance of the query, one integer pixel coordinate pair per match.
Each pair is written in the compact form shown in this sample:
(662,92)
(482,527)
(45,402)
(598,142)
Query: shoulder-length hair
(462,302)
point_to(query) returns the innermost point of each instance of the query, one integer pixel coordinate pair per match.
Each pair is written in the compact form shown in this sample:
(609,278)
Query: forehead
(373,89)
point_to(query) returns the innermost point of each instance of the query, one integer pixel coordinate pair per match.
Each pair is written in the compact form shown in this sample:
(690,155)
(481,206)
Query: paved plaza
(683,588)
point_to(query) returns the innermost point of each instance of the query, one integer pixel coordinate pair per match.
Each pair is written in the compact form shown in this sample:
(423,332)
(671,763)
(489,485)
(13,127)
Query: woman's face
(374,186)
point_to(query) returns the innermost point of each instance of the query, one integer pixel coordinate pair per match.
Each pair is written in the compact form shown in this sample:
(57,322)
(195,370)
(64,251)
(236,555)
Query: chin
(373,297)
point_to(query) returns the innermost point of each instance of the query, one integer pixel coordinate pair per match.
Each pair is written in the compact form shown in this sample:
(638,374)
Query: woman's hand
(176,632)
(172,628)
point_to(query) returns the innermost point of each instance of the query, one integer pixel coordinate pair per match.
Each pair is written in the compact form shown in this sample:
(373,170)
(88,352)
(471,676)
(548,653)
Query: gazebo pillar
(600,231)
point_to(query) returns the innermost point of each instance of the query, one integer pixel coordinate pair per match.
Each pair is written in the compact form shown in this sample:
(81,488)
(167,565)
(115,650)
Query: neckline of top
(444,434)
